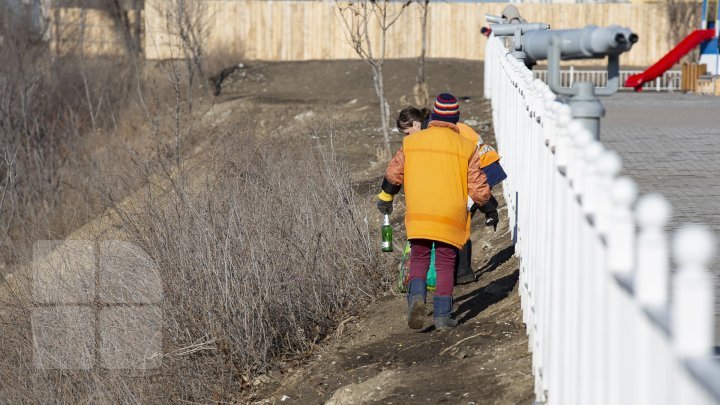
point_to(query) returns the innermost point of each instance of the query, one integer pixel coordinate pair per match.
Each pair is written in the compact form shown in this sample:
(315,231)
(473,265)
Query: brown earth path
(374,357)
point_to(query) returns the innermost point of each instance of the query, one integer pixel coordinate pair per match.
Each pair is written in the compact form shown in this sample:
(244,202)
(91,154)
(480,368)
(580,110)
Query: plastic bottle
(387,235)
(432,275)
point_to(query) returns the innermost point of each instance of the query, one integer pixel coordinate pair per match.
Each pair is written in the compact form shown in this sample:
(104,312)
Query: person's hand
(385,207)
(492,218)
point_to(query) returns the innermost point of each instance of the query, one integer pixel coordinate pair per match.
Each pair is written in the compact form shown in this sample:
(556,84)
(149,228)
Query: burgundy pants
(444,263)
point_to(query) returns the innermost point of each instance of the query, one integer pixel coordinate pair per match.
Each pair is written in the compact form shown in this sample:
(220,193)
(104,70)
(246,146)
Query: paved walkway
(670,143)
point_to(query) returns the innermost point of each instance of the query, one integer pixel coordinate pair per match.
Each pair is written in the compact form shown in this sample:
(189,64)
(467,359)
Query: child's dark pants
(444,263)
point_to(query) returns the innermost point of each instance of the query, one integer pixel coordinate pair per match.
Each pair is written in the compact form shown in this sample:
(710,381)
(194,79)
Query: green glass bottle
(387,235)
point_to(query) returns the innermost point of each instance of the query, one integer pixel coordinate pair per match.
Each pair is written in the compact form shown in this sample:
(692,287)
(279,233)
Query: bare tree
(357,18)
(421,92)
(126,17)
(684,17)
(188,21)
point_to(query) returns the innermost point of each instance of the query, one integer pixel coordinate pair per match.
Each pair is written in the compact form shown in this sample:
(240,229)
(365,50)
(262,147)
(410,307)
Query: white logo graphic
(95,306)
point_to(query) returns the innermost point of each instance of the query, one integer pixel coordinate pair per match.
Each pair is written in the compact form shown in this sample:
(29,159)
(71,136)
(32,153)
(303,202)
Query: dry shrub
(274,247)
(48,103)
(261,246)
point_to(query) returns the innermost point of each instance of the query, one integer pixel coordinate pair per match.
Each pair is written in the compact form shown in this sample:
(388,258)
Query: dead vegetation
(259,246)
(257,263)
(48,104)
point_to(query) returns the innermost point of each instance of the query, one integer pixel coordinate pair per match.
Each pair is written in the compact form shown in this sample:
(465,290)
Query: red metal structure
(666,62)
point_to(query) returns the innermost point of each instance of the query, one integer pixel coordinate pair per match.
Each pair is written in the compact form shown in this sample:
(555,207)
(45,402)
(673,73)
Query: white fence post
(558,345)
(692,309)
(620,262)
(593,293)
(590,267)
(651,287)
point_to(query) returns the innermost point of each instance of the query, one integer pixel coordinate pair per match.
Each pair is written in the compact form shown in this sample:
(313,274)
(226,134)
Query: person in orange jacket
(439,170)
(412,120)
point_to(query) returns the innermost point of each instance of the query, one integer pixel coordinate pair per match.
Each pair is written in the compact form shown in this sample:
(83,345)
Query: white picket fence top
(595,275)
(669,81)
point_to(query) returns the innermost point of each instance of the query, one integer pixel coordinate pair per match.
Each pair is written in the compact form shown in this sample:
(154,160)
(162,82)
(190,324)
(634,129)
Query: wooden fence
(309,30)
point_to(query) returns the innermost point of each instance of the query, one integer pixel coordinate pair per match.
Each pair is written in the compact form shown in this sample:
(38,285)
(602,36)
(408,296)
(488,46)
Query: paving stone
(670,143)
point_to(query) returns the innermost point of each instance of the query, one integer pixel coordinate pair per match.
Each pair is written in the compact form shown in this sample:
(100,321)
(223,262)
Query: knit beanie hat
(446,109)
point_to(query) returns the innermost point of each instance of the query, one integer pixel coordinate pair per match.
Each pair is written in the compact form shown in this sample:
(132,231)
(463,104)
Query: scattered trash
(284,398)
(305,115)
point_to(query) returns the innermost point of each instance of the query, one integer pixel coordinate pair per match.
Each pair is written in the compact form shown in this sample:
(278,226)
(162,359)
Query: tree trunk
(421,91)
(379,85)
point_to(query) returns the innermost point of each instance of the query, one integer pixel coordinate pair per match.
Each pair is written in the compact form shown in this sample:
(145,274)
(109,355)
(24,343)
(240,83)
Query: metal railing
(594,266)
(669,81)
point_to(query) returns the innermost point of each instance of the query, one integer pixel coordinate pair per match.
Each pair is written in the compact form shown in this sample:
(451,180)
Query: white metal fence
(595,272)
(669,81)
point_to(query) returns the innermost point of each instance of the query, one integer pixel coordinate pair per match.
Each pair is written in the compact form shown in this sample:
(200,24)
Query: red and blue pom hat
(446,109)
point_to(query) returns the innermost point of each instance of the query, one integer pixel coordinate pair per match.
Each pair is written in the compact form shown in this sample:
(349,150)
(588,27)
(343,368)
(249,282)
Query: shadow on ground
(485,360)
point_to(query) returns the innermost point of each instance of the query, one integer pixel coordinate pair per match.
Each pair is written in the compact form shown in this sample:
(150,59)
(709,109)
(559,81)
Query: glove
(492,218)
(385,207)
(491,205)
(385,203)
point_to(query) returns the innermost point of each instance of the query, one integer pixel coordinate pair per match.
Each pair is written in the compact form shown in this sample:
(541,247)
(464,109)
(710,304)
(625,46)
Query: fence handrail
(595,260)
(668,81)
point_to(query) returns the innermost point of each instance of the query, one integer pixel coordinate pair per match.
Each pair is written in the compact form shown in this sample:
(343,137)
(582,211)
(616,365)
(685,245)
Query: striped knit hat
(446,109)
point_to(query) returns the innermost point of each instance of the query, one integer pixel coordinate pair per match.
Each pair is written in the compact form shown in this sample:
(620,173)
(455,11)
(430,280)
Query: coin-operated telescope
(533,42)
(590,42)
(516,33)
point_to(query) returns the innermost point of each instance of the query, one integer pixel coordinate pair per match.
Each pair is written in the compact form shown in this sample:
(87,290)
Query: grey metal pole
(586,107)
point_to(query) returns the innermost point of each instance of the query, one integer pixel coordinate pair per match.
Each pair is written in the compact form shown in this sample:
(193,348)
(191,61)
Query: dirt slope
(374,357)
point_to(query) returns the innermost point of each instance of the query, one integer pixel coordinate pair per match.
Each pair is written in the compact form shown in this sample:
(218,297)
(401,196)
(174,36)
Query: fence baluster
(692,309)
(597,324)
(620,263)
(651,282)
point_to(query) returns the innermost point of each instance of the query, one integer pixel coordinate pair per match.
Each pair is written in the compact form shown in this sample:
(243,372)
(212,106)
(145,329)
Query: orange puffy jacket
(438,169)
(488,154)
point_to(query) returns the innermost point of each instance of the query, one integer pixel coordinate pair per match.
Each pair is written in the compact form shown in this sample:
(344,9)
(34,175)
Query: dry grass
(239,252)
(48,104)
(261,247)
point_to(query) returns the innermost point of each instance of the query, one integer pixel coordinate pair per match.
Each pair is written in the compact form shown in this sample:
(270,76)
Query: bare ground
(374,357)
